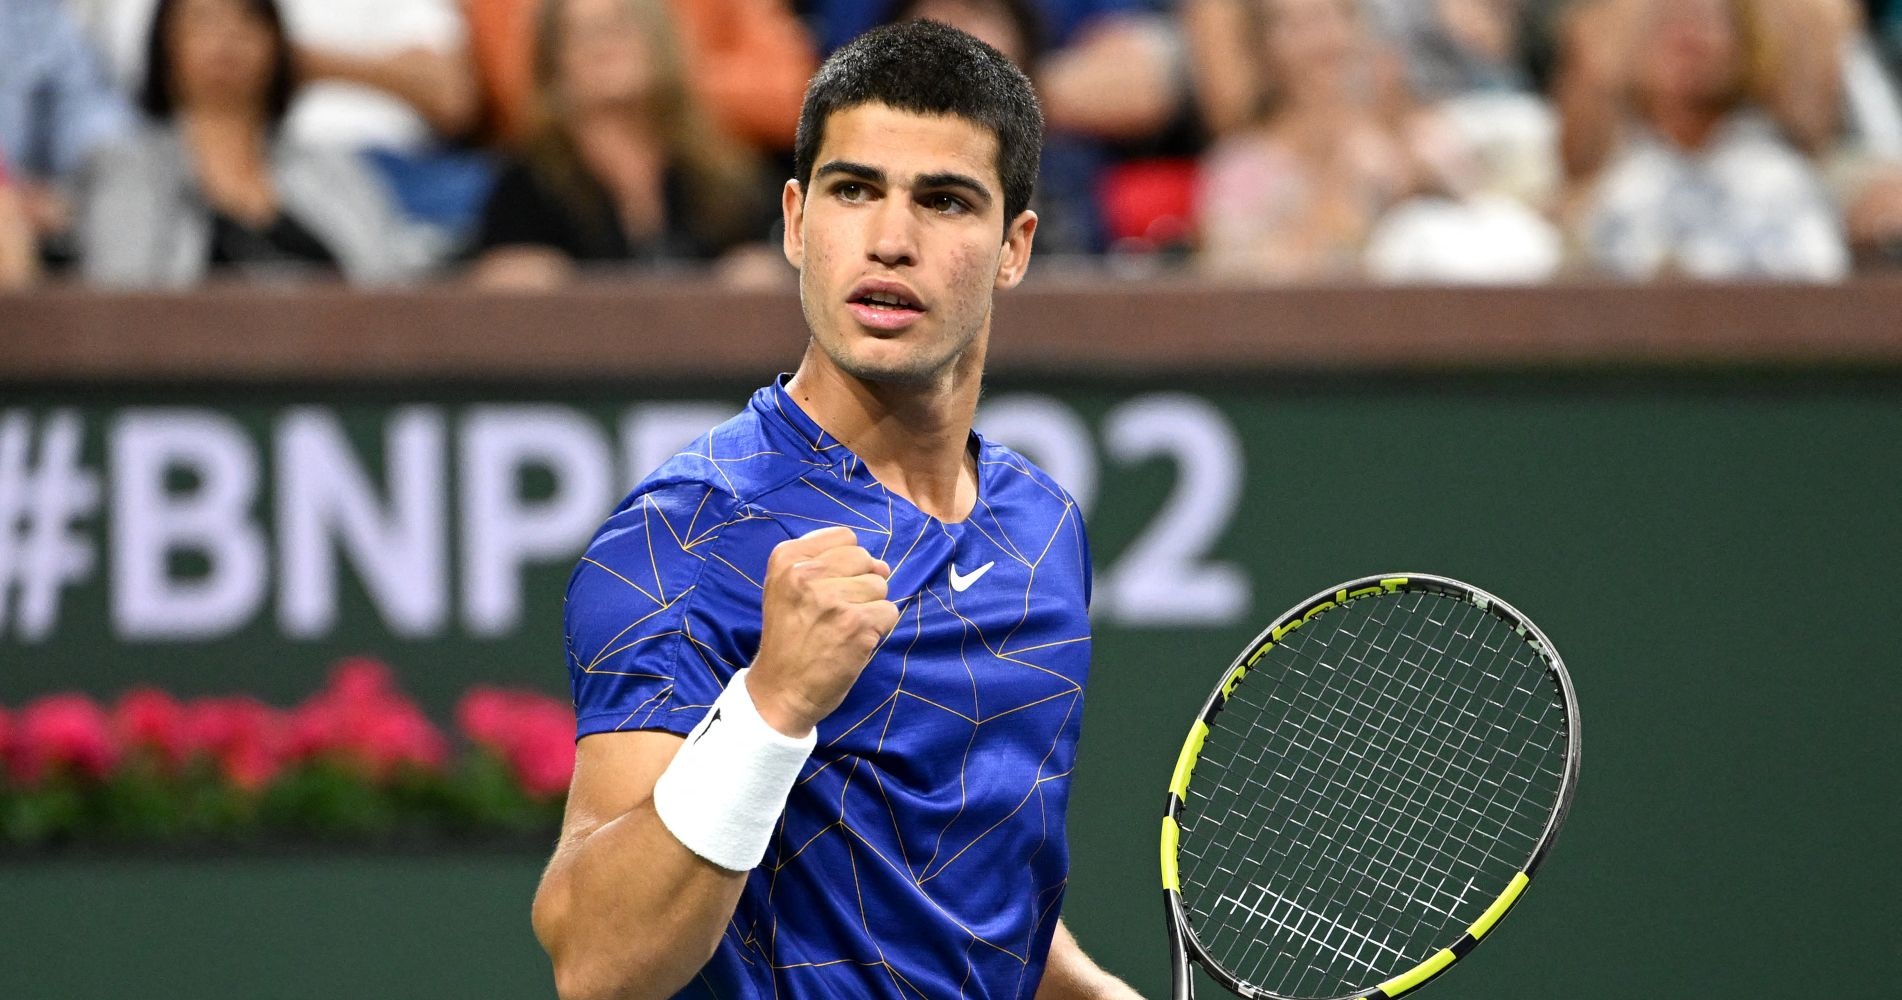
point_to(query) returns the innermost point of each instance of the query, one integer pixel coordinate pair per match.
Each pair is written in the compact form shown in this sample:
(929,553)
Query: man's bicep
(614,773)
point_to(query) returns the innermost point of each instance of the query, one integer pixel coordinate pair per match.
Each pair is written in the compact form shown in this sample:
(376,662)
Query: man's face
(900,242)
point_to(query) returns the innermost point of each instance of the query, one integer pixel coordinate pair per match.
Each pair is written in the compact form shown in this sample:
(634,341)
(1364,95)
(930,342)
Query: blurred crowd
(523,143)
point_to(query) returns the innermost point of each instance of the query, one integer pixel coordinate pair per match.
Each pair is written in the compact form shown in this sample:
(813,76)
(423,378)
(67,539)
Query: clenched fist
(824,613)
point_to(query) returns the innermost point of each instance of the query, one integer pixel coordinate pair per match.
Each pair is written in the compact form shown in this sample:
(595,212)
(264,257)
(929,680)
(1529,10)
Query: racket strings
(1359,944)
(1343,866)
(1352,945)
(1334,856)
(1367,791)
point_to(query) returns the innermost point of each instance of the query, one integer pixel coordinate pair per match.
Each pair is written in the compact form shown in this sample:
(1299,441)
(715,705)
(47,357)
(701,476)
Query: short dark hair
(928,68)
(156,96)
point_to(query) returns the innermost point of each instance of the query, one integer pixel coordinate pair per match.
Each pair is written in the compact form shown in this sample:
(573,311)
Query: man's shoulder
(702,492)
(1035,486)
(739,460)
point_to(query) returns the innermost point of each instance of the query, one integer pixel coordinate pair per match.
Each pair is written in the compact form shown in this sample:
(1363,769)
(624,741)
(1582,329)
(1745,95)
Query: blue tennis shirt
(922,852)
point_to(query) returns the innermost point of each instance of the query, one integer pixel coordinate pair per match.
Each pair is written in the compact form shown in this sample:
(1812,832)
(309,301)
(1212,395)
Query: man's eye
(850,191)
(948,204)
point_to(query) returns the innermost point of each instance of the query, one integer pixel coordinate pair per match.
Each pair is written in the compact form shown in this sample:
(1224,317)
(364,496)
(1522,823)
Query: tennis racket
(1367,792)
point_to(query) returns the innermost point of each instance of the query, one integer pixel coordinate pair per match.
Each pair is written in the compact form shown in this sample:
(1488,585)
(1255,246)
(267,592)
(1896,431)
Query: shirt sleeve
(664,608)
(85,112)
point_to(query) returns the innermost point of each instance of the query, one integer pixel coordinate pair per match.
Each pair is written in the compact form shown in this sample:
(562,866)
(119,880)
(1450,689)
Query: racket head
(1308,736)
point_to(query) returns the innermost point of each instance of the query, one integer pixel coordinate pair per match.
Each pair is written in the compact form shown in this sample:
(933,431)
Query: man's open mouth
(887,300)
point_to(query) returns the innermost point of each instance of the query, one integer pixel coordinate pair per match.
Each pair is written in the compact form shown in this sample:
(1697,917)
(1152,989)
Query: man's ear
(792,208)
(1016,259)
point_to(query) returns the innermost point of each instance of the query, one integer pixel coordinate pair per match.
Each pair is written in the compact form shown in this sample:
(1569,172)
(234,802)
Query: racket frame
(1183,944)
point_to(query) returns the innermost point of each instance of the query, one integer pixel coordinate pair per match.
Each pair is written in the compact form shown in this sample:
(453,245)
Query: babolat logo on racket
(1340,597)
(1235,680)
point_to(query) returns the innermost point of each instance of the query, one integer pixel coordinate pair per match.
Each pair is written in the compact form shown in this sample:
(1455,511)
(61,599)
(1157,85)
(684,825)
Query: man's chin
(907,359)
(895,372)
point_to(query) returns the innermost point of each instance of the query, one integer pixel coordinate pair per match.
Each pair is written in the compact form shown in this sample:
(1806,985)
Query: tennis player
(828,661)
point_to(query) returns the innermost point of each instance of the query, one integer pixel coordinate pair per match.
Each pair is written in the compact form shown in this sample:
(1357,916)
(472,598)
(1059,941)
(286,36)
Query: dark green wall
(1714,555)
(1709,556)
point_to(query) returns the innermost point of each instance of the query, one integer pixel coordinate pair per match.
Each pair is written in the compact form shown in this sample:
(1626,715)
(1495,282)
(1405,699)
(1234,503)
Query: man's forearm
(1069,974)
(627,912)
(437,85)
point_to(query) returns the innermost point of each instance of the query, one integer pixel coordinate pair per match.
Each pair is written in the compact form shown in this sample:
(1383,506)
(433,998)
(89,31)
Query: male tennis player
(828,661)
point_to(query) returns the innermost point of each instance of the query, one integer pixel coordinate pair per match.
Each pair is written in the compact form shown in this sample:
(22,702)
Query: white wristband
(723,792)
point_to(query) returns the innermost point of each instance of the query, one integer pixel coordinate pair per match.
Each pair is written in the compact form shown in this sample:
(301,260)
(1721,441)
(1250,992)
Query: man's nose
(894,235)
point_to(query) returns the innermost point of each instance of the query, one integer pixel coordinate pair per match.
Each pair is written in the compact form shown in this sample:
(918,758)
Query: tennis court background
(1714,553)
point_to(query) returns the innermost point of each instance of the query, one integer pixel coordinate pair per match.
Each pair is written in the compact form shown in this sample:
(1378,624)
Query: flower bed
(356,763)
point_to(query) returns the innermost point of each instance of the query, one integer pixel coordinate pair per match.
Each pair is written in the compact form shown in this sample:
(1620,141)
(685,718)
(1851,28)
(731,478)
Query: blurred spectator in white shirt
(1338,173)
(380,74)
(1687,125)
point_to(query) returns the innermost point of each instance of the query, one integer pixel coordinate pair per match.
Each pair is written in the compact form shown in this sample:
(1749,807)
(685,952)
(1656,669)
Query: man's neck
(913,439)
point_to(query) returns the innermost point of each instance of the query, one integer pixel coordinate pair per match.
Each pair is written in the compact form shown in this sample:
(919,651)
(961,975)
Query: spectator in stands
(1864,169)
(19,258)
(58,108)
(1112,69)
(747,60)
(380,74)
(1689,133)
(1454,47)
(212,185)
(392,79)
(1469,60)
(388,79)
(388,73)
(623,165)
(1444,49)
(1294,194)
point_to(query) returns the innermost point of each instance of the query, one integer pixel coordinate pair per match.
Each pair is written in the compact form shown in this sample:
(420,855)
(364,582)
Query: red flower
(63,731)
(362,718)
(533,733)
(361,680)
(398,734)
(245,736)
(543,755)
(316,727)
(6,735)
(153,721)
(485,715)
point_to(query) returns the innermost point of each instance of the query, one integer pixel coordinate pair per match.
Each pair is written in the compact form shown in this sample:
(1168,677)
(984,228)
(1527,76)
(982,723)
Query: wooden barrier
(1071,325)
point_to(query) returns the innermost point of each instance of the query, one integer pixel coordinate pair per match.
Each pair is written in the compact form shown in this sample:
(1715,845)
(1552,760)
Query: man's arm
(19,259)
(624,910)
(1068,974)
(439,85)
(1118,81)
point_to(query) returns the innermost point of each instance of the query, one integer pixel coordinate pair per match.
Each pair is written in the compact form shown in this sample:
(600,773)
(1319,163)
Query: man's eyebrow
(936,181)
(926,182)
(860,170)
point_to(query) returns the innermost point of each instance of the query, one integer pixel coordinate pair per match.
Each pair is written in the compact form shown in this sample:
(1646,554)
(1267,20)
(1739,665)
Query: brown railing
(1068,325)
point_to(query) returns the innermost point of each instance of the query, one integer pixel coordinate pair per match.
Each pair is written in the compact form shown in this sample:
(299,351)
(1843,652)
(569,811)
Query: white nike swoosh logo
(962,582)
